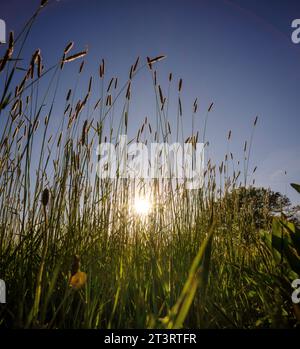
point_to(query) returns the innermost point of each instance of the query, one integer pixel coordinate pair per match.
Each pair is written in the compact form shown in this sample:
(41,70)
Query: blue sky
(235,53)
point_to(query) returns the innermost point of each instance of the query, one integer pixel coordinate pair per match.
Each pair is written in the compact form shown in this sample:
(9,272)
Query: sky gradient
(235,53)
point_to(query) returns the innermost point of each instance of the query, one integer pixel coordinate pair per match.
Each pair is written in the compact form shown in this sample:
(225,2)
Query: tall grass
(197,260)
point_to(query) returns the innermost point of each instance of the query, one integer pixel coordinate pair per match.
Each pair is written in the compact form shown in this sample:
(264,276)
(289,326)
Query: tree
(260,203)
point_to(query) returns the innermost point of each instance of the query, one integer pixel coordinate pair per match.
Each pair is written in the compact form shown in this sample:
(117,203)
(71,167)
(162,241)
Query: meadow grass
(197,260)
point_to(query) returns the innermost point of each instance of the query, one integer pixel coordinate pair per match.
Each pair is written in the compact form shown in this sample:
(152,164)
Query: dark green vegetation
(215,258)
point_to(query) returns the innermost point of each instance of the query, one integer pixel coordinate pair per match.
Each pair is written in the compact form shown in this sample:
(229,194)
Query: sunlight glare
(142,206)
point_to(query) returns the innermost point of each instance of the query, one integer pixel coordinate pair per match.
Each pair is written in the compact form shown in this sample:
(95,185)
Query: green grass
(198,260)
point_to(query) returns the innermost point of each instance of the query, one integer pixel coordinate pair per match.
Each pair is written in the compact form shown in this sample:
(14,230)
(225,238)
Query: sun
(142,206)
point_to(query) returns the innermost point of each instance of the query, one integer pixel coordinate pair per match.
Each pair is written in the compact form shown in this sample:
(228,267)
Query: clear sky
(235,53)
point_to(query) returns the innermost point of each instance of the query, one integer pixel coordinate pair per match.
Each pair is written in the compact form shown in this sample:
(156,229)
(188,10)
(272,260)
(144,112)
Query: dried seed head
(180,85)
(84,131)
(160,95)
(45,197)
(40,66)
(131,72)
(163,103)
(126,119)
(255,121)
(136,64)
(210,107)
(75,56)
(180,106)
(36,125)
(68,47)
(90,85)
(108,101)
(109,85)
(62,62)
(102,69)
(44,3)
(81,67)
(156,59)
(7,55)
(15,106)
(59,139)
(69,94)
(128,91)
(11,41)
(149,63)
(195,105)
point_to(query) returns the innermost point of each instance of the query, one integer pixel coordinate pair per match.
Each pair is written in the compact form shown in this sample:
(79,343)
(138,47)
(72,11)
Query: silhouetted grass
(197,259)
